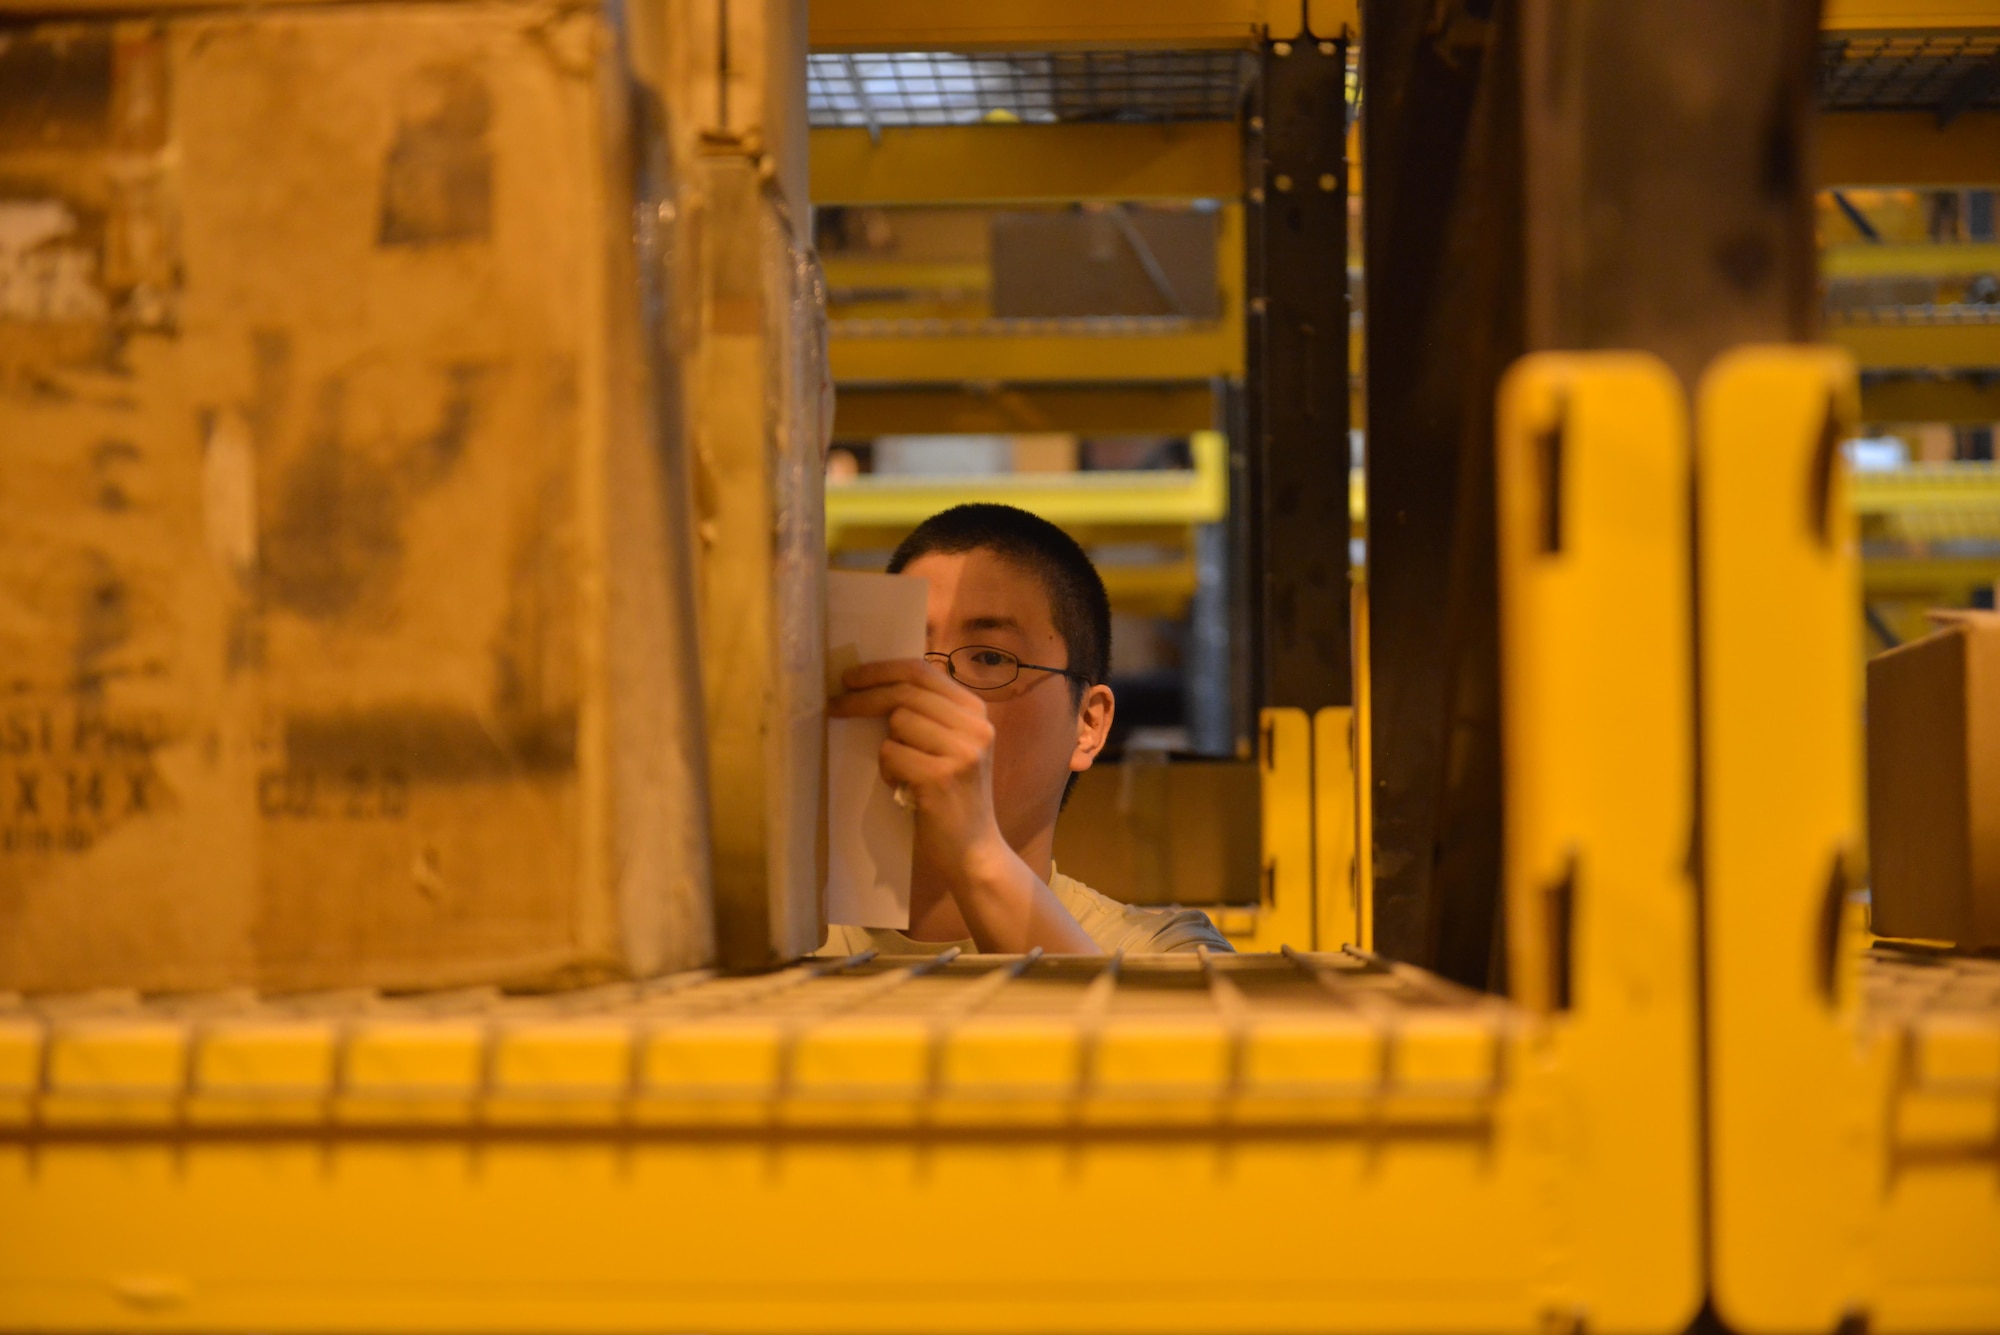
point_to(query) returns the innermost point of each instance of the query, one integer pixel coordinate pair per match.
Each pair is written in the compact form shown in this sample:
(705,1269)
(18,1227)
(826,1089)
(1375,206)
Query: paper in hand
(870,838)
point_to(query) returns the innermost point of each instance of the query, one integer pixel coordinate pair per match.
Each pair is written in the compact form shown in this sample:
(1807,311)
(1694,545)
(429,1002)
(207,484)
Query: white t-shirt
(1112,925)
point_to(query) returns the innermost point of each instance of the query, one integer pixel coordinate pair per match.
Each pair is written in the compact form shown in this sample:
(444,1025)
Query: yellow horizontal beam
(1064,351)
(912,410)
(1143,499)
(1065,25)
(1972,346)
(870,271)
(1027,164)
(1878,15)
(1933,488)
(1130,25)
(1908,148)
(1958,400)
(1195,351)
(1168,539)
(1153,589)
(1909,261)
(1953,488)
(956,306)
(1943,580)
(1161,589)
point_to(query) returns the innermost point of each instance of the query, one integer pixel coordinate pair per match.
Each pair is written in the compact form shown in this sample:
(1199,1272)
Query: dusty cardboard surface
(295,604)
(1983,777)
(755,409)
(1934,786)
(1146,830)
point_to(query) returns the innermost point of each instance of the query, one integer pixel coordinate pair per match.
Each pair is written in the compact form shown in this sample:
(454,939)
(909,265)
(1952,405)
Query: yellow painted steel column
(1781,774)
(1336,887)
(1364,791)
(1598,742)
(1285,899)
(1852,1135)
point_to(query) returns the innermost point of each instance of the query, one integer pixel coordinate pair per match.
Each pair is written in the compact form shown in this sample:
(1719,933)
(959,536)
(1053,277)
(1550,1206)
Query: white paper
(870,839)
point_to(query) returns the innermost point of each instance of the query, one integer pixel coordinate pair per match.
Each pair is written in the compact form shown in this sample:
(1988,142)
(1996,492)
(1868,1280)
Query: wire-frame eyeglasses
(985,668)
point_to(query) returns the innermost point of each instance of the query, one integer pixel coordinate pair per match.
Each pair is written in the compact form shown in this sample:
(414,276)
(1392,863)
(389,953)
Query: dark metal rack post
(1296,371)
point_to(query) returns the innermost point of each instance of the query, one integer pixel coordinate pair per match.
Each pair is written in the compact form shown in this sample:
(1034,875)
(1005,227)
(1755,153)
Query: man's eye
(991,658)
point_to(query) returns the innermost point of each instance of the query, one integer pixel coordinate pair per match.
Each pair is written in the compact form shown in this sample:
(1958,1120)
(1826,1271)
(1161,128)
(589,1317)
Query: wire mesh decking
(947,88)
(1945,72)
(1074,1037)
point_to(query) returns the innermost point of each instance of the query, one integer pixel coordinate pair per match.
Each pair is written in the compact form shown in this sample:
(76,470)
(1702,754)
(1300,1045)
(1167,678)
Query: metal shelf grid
(1908,985)
(910,88)
(1946,72)
(1932,335)
(1094,1036)
(1920,315)
(1931,1021)
(1957,502)
(768,1153)
(916,1145)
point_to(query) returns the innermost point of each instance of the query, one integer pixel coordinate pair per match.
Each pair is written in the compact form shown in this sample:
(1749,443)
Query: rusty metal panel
(1543,176)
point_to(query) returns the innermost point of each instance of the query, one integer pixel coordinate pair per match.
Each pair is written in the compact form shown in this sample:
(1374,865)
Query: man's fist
(939,750)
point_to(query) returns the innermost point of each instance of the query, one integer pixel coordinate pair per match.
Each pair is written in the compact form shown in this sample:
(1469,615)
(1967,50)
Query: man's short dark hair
(1077,602)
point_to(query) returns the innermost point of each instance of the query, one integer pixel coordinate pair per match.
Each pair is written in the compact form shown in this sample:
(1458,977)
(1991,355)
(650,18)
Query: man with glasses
(987,733)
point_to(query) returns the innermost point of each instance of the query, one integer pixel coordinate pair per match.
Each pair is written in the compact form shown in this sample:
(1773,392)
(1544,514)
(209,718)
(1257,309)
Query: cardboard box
(756,401)
(1148,830)
(1934,785)
(755,387)
(346,602)
(1131,262)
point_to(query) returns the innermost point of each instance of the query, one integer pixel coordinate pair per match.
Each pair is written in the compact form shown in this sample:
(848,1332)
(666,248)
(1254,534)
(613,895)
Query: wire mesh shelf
(1099,1037)
(1945,72)
(1909,983)
(1919,315)
(909,88)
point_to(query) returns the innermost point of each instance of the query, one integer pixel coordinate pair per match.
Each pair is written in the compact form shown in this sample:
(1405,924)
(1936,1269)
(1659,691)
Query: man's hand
(939,749)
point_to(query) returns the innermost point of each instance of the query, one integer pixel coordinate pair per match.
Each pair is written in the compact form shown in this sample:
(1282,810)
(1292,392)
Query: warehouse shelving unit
(1091,115)
(1161,508)
(1903,92)
(858,1144)
(852,1145)
(1693,1095)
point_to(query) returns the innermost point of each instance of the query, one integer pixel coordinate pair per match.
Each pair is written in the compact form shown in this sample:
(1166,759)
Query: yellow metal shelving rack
(989,1144)
(1855,1131)
(1156,507)
(1004,1143)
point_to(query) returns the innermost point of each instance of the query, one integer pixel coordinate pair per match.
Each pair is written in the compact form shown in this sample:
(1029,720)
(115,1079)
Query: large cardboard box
(1149,830)
(757,407)
(1934,785)
(346,604)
